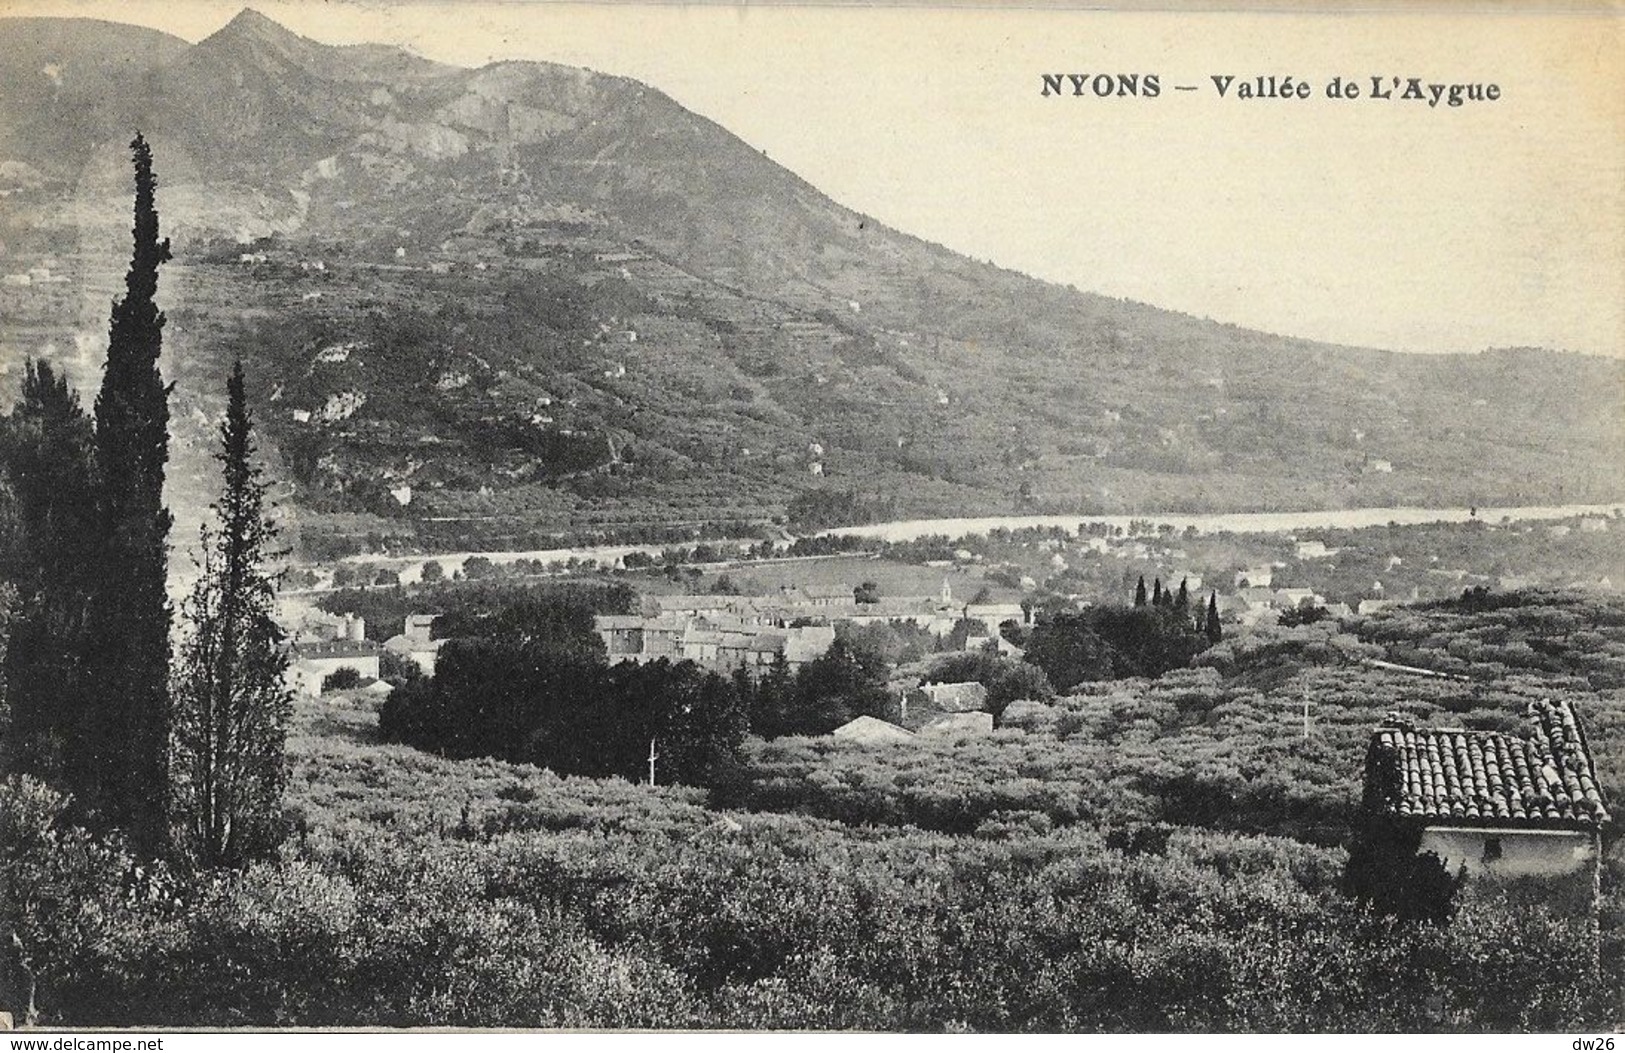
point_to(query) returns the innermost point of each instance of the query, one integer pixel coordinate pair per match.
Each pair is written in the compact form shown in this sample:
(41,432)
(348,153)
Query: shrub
(344,678)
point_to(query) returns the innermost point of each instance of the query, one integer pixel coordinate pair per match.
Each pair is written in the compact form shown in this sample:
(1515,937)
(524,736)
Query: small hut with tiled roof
(1492,803)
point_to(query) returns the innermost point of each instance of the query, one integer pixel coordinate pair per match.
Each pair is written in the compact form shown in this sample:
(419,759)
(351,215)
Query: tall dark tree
(49,550)
(1139,592)
(231,702)
(1210,627)
(847,681)
(669,723)
(130,613)
(1156,593)
(1069,651)
(1182,599)
(769,697)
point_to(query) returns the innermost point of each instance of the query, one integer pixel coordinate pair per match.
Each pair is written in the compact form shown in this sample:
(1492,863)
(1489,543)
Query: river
(410,567)
(1233,522)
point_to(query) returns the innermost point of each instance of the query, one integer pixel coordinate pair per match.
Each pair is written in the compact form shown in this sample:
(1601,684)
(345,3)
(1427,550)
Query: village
(789,602)
(788,613)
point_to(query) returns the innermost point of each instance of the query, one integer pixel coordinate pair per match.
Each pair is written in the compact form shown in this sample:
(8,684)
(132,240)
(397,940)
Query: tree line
(179,753)
(531,682)
(1163,630)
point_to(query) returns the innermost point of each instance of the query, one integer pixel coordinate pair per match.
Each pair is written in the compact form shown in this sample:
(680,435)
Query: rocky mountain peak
(250,24)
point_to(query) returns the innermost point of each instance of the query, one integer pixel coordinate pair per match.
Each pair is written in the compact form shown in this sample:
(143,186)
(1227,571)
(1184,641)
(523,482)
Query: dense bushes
(341,679)
(1267,735)
(660,916)
(820,509)
(1052,876)
(462,603)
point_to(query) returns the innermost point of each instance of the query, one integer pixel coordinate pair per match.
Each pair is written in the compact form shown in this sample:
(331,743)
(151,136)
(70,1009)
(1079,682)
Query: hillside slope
(546,299)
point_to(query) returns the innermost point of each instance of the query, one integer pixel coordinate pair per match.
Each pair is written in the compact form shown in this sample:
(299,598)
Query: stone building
(1496,805)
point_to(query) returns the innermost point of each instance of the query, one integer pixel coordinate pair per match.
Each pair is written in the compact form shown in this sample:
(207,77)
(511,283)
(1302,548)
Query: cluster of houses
(719,632)
(795,625)
(1488,804)
(719,642)
(323,644)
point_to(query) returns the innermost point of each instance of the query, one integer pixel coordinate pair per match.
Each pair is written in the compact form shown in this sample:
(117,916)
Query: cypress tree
(48,468)
(1211,628)
(1139,592)
(130,614)
(1156,593)
(1182,599)
(231,701)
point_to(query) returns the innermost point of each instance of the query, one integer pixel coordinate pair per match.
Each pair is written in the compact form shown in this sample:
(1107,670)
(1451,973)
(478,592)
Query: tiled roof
(680,604)
(335,649)
(767,643)
(1001,611)
(824,591)
(1488,778)
(868,730)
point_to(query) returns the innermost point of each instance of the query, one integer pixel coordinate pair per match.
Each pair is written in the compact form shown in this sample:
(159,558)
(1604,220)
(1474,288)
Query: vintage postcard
(865,518)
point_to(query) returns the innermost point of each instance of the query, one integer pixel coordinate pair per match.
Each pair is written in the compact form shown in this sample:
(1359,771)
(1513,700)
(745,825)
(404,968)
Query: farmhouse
(993,643)
(1259,577)
(698,606)
(995,614)
(1290,598)
(871,731)
(1258,598)
(703,645)
(1493,804)
(818,594)
(313,662)
(622,634)
(920,610)
(416,642)
(796,646)
(964,697)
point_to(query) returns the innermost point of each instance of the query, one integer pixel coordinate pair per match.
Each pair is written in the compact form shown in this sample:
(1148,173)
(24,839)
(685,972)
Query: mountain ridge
(628,314)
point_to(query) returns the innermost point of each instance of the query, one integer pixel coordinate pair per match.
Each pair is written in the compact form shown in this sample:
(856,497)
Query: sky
(1384,223)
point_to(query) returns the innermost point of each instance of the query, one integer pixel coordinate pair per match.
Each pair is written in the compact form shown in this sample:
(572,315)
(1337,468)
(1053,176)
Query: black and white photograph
(528,515)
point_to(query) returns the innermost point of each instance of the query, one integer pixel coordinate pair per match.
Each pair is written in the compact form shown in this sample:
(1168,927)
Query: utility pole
(653,756)
(1306,716)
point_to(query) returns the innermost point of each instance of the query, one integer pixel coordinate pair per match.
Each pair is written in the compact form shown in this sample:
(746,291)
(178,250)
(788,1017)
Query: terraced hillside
(502,303)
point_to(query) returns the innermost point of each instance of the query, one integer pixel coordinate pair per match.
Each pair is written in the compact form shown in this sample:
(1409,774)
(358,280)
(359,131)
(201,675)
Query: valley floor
(1146,855)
